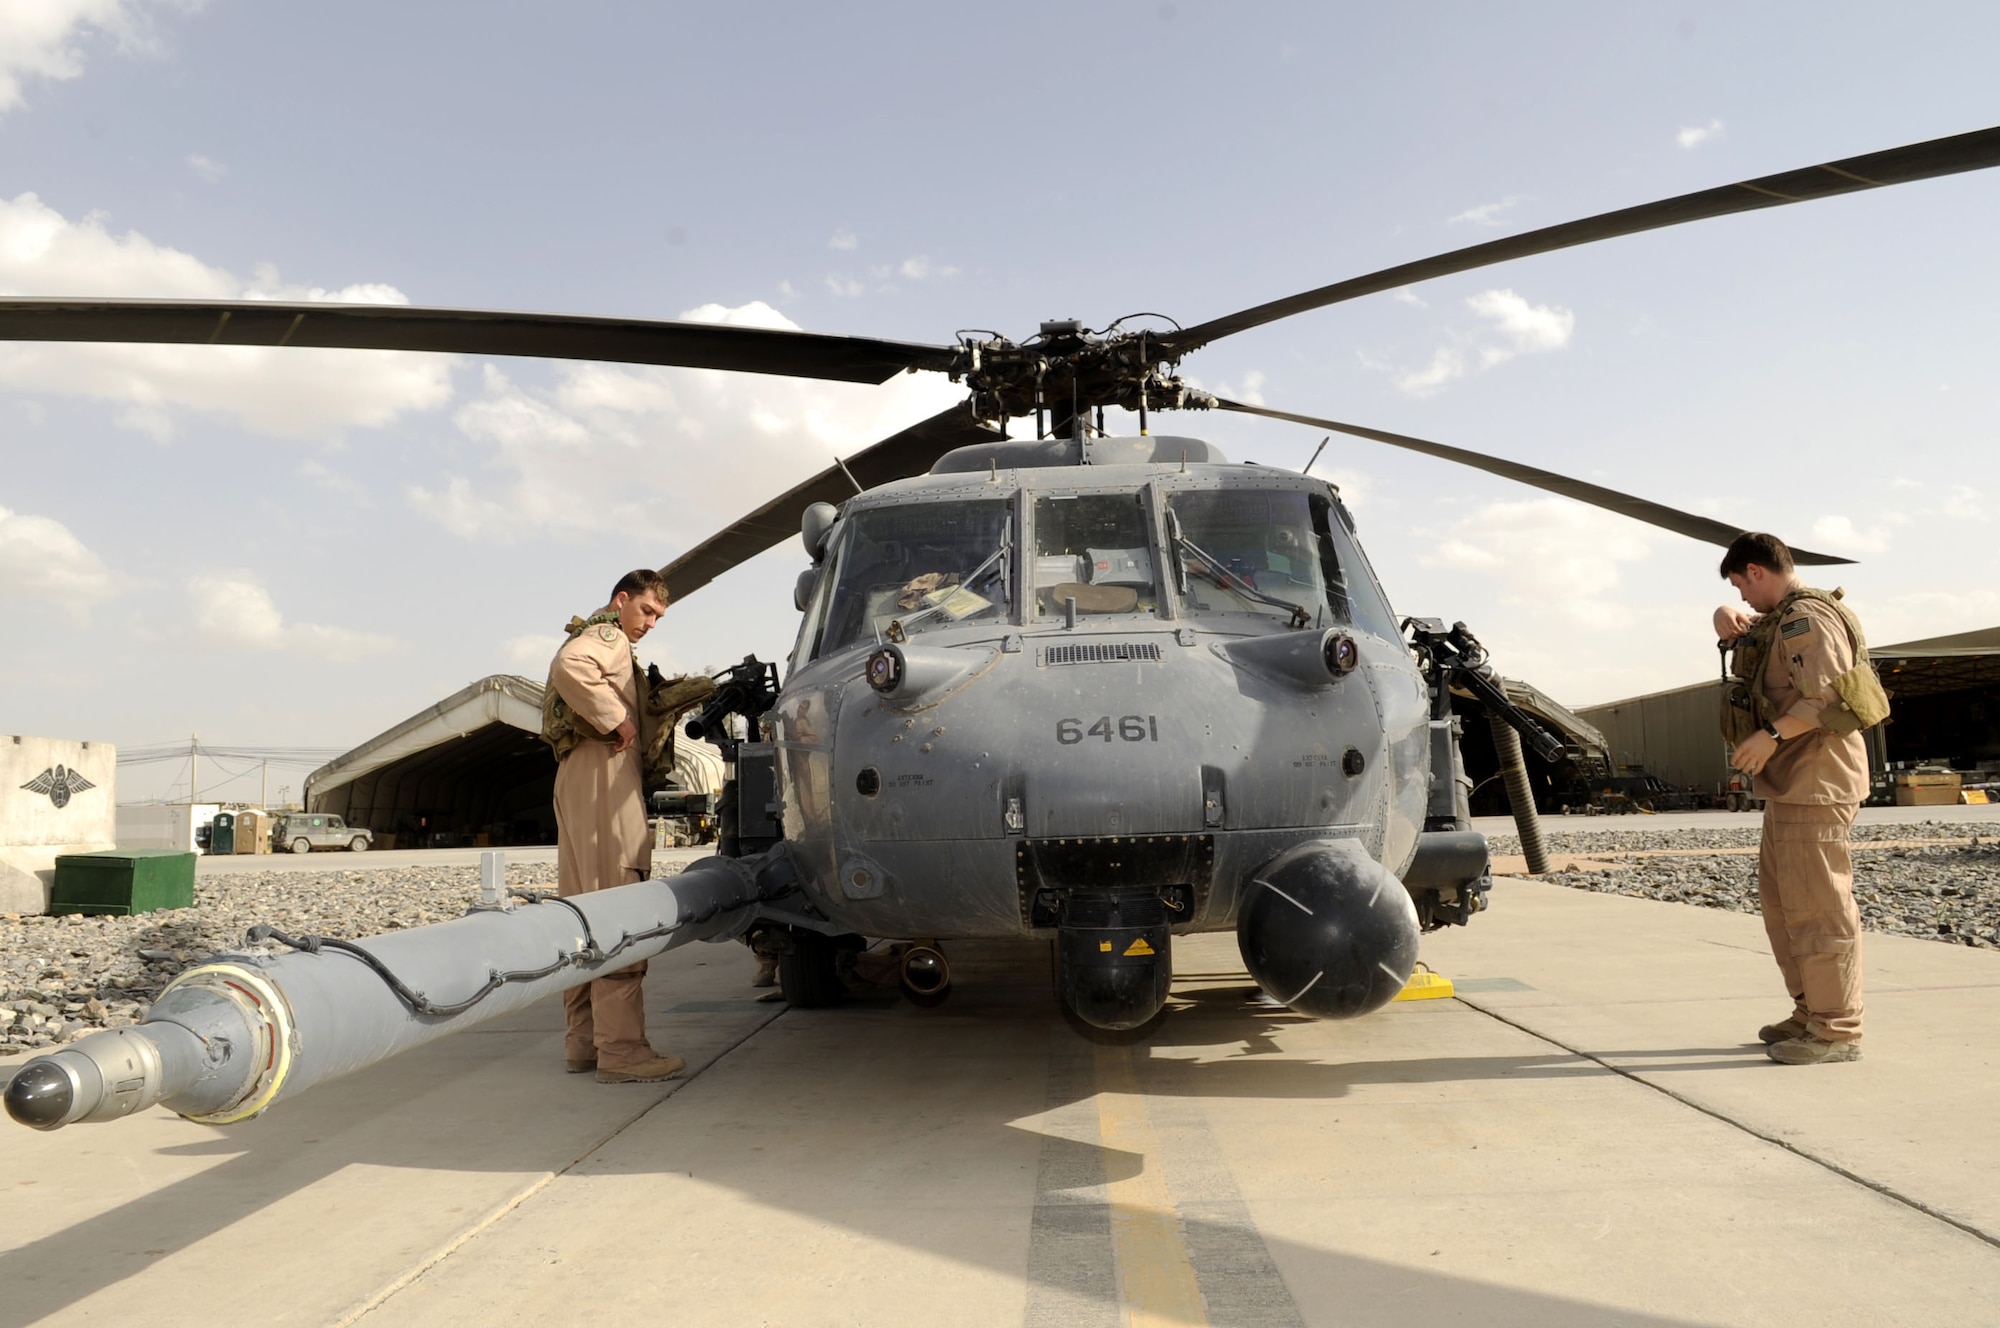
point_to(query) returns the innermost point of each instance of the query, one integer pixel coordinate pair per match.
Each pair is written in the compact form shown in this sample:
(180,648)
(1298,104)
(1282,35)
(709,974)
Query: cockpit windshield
(1093,549)
(921,565)
(1250,551)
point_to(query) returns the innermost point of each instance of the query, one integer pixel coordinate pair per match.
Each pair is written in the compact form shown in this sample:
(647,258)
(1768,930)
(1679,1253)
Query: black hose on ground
(1520,797)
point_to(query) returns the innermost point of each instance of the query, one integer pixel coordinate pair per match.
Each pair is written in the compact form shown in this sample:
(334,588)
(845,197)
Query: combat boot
(580,1065)
(1782,1031)
(1810,1050)
(645,1072)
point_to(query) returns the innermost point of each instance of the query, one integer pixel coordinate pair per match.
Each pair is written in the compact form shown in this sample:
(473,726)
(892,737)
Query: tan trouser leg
(607,1019)
(1805,882)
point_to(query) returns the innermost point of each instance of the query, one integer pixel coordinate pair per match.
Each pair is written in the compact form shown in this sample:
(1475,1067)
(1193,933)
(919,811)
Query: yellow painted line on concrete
(1155,1276)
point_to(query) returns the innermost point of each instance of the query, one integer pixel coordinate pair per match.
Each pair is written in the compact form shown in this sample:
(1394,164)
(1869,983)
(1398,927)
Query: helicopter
(1094,690)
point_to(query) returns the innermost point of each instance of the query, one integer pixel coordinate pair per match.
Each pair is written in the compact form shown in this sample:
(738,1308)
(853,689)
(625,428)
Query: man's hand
(1732,622)
(624,736)
(1751,754)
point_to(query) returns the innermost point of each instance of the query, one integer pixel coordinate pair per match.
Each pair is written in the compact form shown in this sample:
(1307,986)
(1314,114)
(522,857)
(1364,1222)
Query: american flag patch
(1797,627)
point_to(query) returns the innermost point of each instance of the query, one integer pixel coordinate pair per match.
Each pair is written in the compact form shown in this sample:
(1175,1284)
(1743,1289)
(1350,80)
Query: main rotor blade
(1639,509)
(910,452)
(1975,151)
(467,332)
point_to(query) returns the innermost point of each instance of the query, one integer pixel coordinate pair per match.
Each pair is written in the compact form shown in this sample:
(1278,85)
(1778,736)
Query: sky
(302,548)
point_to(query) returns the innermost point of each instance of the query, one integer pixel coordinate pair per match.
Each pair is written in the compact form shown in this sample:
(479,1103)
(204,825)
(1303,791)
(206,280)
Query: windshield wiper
(965,583)
(1231,581)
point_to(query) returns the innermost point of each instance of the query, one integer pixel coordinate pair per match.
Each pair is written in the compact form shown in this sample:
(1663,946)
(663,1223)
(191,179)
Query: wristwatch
(1772,729)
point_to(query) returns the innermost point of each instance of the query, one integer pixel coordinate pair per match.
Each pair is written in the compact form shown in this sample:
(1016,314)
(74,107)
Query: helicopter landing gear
(809,969)
(925,974)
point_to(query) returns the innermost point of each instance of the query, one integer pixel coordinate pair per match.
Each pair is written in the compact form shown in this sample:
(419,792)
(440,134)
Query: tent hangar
(470,771)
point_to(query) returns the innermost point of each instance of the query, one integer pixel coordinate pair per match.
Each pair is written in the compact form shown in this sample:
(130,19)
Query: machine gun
(748,810)
(1452,657)
(748,689)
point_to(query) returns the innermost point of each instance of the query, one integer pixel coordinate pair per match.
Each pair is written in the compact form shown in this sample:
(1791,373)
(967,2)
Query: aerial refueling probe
(227,1039)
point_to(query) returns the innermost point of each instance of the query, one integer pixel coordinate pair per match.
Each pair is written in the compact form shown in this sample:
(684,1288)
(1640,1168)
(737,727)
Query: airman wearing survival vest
(1797,695)
(596,718)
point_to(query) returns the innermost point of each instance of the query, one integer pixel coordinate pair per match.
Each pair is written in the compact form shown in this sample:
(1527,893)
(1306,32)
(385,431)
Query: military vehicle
(302,832)
(1095,690)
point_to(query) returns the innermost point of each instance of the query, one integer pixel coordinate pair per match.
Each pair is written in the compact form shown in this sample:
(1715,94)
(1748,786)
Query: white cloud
(1408,295)
(289,392)
(920,268)
(1514,327)
(1695,135)
(1251,393)
(531,654)
(47,38)
(207,168)
(1527,327)
(675,453)
(1447,363)
(41,559)
(1552,557)
(845,240)
(233,613)
(1966,504)
(325,477)
(1486,214)
(1843,536)
(843,286)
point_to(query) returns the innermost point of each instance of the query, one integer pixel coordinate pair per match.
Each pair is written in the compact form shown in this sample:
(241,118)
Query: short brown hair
(1767,551)
(638,582)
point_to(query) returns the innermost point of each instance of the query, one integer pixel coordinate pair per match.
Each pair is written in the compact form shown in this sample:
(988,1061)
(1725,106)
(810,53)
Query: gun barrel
(227,1040)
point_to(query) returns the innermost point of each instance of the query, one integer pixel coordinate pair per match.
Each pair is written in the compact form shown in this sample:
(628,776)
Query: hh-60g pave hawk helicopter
(1097,689)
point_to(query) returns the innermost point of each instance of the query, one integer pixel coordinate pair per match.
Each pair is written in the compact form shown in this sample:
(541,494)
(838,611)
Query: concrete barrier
(57,795)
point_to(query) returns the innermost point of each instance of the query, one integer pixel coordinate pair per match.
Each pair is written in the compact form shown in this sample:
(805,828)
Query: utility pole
(264,788)
(194,767)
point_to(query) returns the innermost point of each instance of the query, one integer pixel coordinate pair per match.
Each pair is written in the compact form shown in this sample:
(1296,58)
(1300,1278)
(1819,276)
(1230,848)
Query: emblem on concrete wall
(58,783)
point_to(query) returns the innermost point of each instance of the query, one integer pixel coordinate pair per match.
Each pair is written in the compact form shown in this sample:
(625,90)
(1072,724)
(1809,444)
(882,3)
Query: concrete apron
(1471,1160)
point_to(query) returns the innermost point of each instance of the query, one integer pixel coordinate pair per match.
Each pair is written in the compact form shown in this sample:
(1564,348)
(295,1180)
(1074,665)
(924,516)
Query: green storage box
(125,880)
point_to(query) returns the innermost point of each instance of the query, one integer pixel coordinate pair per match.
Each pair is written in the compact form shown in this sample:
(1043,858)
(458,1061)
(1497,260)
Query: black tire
(302,846)
(808,974)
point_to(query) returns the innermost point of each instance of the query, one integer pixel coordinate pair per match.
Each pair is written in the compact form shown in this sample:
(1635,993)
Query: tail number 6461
(1125,728)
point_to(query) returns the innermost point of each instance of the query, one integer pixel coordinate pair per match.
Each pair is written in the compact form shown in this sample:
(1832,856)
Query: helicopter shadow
(437,1114)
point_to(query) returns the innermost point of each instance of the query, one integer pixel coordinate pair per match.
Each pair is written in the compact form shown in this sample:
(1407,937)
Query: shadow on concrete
(426,1113)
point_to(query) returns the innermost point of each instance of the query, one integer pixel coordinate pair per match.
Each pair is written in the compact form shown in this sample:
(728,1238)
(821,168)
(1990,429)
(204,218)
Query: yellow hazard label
(1104,946)
(1139,947)
(1974,798)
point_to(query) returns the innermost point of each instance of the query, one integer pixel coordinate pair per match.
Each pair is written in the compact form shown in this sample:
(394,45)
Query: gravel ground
(1943,892)
(62,977)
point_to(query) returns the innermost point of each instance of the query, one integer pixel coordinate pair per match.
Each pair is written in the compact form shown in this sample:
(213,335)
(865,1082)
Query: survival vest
(662,701)
(1858,701)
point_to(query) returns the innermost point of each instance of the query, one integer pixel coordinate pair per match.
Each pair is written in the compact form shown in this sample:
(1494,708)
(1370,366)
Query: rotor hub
(1067,369)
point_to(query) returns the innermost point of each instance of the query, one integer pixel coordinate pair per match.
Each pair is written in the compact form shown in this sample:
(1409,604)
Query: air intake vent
(1113,652)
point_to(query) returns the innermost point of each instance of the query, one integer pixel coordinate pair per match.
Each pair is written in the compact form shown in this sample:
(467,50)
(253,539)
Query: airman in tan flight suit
(601,838)
(1813,778)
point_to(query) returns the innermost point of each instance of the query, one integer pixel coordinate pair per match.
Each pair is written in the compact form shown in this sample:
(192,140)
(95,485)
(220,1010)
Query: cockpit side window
(1268,553)
(920,565)
(1093,548)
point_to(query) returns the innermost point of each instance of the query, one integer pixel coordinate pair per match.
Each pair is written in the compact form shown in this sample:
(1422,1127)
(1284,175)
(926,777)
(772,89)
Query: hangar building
(1944,709)
(471,770)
